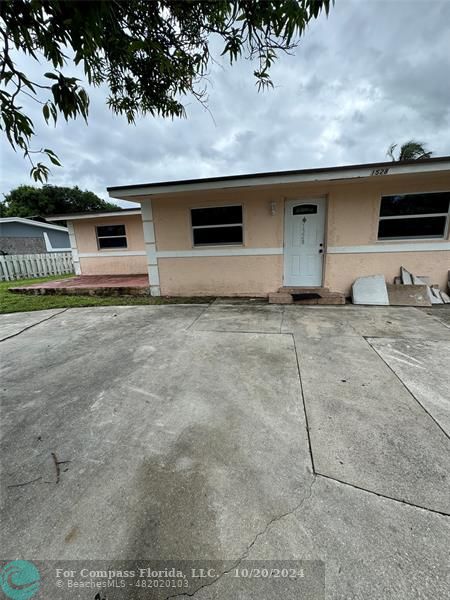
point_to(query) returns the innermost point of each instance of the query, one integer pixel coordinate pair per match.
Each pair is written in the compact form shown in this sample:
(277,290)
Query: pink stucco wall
(114,265)
(352,222)
(220,275)
(342,269)
(261,229)
(86,238)
(105,262)
(353,212)
(353,207)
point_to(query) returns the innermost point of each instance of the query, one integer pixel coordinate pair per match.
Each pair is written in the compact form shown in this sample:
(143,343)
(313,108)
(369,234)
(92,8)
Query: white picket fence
(24,266)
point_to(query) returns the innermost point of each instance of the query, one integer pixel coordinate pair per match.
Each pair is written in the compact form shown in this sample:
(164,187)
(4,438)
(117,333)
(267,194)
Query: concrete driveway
(233,433)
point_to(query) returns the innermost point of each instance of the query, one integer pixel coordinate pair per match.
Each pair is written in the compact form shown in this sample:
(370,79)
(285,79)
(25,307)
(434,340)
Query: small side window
(111,236)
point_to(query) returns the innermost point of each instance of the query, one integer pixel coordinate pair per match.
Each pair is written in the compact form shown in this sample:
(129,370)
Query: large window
(410,216)
(217,226)
(111,236)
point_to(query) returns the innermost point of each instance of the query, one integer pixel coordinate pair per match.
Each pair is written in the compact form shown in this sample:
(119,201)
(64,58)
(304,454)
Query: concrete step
(317,296)
(280,298)
(329,299)
(304,290)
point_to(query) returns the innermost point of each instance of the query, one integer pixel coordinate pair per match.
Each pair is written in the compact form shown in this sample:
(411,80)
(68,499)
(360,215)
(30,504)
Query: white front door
(304,231)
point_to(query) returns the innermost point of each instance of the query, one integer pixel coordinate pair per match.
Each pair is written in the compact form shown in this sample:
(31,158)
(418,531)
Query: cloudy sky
(373,73)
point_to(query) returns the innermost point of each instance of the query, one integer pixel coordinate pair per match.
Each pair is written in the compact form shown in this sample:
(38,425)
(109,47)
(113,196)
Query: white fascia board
(281,179)
(34,223)
(119,213)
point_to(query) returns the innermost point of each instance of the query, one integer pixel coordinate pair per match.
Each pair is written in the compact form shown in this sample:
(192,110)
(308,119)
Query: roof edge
(397,165)
(31,222)
(96,215)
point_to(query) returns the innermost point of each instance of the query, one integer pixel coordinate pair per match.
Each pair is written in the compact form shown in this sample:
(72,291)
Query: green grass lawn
(11,302)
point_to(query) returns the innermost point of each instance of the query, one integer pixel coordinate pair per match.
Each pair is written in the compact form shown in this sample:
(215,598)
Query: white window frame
(104,237)
(416,216)
(193,227)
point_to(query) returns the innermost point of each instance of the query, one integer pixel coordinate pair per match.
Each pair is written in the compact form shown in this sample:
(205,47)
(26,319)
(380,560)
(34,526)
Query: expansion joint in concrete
(199,316)
(361,489)
(407,388)
(304,405)
(282,320)
(241,331)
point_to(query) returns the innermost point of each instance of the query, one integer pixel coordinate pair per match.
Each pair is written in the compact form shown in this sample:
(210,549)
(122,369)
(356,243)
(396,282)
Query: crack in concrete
(246,552)
(15,485)
(33,325)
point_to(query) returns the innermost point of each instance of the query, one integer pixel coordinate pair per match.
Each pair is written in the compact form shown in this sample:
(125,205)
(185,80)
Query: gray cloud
(372,73)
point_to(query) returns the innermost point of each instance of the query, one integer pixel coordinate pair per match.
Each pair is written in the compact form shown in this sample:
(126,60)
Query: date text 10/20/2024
(195,573)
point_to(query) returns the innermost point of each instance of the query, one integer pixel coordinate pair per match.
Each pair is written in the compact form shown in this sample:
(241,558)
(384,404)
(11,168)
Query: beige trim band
(398,247)
(108,254)
(231,251)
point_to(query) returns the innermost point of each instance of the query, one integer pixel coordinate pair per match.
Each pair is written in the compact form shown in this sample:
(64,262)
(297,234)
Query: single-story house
(252,234)
(26,236)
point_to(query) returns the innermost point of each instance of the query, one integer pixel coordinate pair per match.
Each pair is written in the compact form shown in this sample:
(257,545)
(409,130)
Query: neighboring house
(252,234)
(25,236)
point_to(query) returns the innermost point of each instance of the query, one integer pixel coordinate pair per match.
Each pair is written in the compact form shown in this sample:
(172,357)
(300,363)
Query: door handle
(321,251)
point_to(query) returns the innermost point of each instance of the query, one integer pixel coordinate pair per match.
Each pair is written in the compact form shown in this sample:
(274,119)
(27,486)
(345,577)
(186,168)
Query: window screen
(111,236)
(423,215)
(217,225)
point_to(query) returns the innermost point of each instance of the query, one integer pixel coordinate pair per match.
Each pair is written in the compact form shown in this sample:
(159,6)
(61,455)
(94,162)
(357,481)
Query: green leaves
(46,112)
(27,200)
(150,54)
(411,150)
(50,110)
(52,156)
(39,172)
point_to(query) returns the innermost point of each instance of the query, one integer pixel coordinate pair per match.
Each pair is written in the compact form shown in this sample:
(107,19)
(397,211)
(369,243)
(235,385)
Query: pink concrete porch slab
(113,285)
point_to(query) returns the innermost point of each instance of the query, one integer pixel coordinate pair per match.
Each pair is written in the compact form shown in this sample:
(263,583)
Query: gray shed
(25,236)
